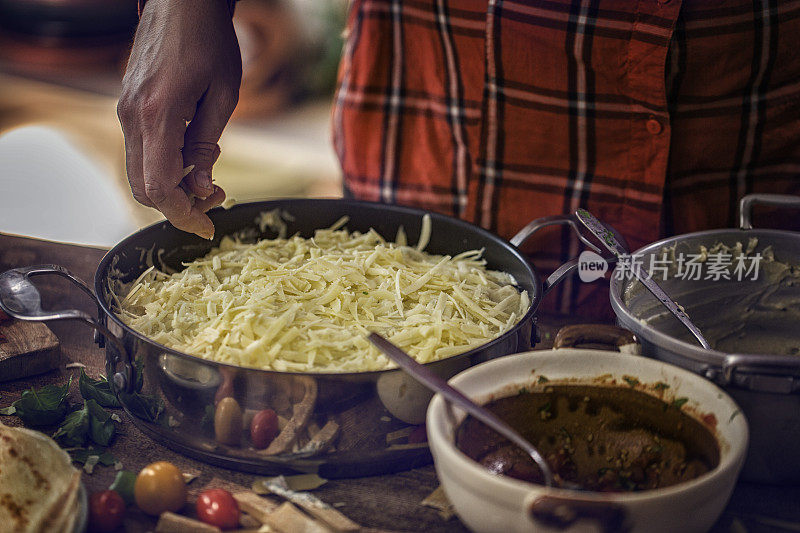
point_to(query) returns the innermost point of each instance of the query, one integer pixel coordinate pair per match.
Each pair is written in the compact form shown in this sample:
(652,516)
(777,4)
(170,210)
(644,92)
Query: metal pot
(765,385)
(171,396)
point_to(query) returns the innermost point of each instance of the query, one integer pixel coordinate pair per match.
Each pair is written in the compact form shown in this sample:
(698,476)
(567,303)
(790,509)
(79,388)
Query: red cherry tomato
(264,428)
(218,508)
(106,511)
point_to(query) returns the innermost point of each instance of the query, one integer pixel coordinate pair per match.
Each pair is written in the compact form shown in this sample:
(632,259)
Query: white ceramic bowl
(491,503)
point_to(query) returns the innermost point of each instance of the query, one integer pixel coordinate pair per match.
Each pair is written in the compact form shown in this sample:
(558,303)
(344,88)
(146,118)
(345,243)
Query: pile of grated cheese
(305,305)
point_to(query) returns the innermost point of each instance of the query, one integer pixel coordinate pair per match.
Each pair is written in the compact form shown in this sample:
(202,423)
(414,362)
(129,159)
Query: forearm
(231,6)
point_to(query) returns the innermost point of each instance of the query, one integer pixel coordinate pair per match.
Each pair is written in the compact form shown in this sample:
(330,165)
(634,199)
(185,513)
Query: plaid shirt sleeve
(655,115)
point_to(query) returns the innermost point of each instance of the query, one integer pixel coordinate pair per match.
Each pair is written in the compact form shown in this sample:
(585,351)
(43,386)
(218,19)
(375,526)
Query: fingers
(135,171)
(133,152)
(200,146)
(163,172)
(198,181)
(216,198)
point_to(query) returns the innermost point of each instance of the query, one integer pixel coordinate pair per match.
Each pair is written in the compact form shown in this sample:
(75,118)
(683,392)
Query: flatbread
(38,484)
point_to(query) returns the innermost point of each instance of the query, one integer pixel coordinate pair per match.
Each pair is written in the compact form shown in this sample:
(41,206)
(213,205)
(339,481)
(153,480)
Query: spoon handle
(437,384)
(607,238)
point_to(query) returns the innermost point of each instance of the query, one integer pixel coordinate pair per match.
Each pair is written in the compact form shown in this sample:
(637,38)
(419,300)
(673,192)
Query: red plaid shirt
(654,115)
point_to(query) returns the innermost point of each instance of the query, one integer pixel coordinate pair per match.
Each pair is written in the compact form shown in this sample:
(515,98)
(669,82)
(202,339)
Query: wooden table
(390,502)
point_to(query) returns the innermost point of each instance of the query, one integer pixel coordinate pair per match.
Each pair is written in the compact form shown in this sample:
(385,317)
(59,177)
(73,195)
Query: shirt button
(654,126)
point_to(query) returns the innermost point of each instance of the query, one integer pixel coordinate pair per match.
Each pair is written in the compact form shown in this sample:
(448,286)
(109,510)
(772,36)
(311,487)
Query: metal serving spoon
(437,384)
(605,236)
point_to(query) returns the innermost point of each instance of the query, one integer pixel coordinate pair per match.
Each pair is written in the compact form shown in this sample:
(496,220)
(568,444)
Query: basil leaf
(90,422)
(8,411)
(101,427)
(98,390)
(74,430)
(42,407)
(150,408)
(80,455)
(144,406)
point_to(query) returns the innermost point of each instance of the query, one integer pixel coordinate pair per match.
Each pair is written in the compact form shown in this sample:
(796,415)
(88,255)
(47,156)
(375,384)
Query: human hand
(185,67)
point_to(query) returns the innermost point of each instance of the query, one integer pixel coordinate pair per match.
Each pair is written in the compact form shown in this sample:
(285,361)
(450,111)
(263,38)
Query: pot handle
(762,373)
(20,299)
(561,513)
(614,337)
(570,220)
(747,202)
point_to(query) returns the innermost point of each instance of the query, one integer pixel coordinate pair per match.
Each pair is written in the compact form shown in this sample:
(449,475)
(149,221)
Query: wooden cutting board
(26,349)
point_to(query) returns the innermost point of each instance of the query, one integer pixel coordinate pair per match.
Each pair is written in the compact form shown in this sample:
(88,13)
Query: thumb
(200,146)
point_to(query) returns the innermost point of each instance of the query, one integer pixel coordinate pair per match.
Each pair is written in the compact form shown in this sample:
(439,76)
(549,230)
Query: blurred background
(62,160)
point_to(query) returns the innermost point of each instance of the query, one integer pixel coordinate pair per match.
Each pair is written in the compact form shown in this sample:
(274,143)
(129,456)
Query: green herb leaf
(661,386)
(98,390)
(630,381)
(8,411)
(144,406)
(74,430)
(101,427)
(542,379)
(679,402)
(80,455)
(123,484)
(42,407)
(90,422)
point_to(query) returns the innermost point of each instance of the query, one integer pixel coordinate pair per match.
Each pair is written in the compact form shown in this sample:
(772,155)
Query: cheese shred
(305,305)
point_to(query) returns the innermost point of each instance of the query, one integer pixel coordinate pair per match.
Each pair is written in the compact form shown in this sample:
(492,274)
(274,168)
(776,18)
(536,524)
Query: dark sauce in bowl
(604,438)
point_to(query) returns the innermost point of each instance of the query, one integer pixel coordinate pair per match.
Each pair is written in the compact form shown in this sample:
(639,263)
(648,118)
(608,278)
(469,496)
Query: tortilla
(38,484)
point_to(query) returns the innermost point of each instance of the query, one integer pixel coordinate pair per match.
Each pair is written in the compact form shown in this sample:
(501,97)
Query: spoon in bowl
(437,384)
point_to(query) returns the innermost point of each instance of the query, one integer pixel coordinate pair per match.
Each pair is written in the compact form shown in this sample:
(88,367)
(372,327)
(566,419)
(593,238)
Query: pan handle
(747,202)
(570,220)
(779,374)
(20,299)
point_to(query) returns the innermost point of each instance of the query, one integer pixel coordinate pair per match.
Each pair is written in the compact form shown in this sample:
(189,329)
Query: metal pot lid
(740,286)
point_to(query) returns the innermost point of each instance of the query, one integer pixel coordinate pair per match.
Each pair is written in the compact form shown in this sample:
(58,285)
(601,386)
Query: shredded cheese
(305,305)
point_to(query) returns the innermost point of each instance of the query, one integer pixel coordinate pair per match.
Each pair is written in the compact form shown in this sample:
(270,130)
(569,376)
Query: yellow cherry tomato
(160,487)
